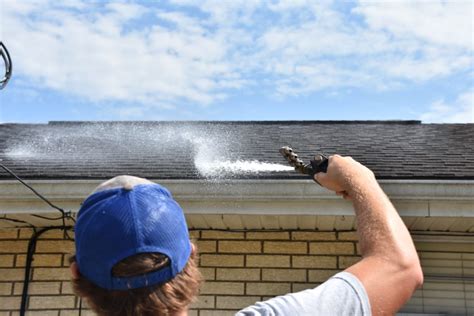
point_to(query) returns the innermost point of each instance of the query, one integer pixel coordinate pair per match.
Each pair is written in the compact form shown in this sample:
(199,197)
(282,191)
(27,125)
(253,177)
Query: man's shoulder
(342,294)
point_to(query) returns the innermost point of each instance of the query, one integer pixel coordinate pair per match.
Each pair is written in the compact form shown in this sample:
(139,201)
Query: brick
(270,261)
(9,274)
(268,235)
(313,236)
(43,302)
(204,301)
(55,246)
(6,260)
(43,313)
(247,274)
(40,260)
(9,302)
(352,236)
(262,288)
(50,234)
(222,288)
(208,273)
(85,306)
(8,233)
(215,234)
(25,233)
(222,260)
(320,275)
(235,302)
(53,274)
(314,262)
(347,261)
(240,246)
(194,234)
(16,246)
(206,246)
(76,312)
(66,287)
(38,288)
(292,247)
(297,287)
(331,248)
(5,288)
(66,260)
(291,275)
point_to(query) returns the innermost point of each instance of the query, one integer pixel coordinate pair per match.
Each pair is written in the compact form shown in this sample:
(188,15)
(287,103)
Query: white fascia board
(279,197)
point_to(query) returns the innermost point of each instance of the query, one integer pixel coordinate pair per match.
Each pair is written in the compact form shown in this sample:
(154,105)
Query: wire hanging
(8,65)
(36,233)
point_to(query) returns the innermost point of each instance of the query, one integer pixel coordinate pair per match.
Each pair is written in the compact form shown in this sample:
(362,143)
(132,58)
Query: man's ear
(75,271)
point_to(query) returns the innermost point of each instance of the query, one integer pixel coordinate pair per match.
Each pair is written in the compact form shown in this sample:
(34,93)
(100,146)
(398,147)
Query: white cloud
(92,54)
(389,49)
(281,48)
(445,23)
(461,110)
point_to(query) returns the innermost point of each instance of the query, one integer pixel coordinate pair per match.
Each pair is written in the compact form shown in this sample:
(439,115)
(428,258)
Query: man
(127,221)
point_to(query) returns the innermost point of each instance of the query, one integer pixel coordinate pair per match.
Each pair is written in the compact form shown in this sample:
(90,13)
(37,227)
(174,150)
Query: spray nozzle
(318,164)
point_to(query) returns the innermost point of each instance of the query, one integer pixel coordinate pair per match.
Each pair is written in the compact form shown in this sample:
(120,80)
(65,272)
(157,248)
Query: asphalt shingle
(170,150)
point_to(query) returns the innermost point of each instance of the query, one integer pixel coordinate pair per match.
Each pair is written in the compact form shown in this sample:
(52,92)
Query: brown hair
(162,299)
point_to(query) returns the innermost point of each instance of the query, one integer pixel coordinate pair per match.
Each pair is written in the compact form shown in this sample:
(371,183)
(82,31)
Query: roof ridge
(264,122)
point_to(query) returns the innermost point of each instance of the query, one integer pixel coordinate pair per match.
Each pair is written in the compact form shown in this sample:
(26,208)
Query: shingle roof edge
(263,122)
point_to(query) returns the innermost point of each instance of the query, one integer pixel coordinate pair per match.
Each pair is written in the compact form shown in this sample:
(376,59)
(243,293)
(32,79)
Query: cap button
(128,186)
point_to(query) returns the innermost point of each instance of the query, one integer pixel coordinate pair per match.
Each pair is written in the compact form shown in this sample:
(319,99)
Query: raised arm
(390,269)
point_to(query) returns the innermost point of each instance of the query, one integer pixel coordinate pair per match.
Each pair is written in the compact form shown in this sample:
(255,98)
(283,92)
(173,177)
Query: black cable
(33,190)
(17,221)
(47,218)
(29,261)
(36,233)
(80,305)
(65,215)
(8,65)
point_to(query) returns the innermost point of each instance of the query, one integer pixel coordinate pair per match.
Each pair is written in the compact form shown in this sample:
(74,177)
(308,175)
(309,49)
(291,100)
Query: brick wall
(240,268)
(244,267)
(49,290)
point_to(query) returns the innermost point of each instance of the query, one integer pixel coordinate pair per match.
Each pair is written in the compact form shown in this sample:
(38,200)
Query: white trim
(437,237)
(435,198)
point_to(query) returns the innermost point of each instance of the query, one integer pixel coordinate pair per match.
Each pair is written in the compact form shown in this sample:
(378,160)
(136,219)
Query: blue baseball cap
(124,217)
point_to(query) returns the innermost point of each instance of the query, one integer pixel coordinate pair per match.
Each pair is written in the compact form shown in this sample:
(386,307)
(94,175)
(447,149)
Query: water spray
(318,164)
(8,65)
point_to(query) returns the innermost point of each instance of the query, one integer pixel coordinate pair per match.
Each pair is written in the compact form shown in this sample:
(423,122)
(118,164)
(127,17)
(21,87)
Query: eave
(427,204)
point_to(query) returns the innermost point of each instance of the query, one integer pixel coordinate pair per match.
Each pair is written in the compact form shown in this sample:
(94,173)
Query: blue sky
(238,60)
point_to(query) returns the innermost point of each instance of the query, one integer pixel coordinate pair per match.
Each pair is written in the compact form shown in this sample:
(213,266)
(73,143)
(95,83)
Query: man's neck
(181,313)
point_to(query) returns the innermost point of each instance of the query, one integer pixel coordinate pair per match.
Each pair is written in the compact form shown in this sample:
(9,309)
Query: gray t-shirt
(343,294)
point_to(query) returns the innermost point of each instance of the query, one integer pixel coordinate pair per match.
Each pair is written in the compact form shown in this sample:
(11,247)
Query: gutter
(419,198)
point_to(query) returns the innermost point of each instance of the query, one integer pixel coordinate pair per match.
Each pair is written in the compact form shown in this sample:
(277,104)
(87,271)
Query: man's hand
(344,174)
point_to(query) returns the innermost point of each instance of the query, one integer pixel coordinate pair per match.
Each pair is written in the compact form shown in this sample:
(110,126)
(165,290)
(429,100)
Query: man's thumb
(320,178)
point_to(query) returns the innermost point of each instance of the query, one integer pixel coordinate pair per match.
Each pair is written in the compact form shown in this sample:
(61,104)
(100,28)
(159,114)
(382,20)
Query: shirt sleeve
(343,294)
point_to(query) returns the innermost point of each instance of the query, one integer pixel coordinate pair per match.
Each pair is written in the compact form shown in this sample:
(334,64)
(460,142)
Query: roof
(187,150)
